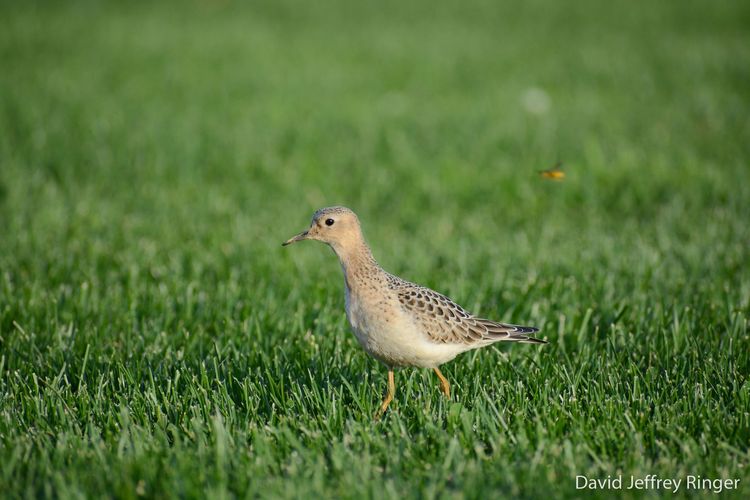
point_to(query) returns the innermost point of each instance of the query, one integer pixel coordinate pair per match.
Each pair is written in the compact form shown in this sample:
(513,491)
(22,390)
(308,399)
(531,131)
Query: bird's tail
(512,333)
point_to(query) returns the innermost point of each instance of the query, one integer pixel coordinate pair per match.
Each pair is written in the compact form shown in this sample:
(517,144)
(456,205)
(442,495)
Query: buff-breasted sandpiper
(397,322)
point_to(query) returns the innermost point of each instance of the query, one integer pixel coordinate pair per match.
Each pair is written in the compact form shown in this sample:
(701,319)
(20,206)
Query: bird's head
(336,226)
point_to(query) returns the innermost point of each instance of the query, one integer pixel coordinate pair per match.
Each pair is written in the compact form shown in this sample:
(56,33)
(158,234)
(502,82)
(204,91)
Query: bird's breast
(350,306)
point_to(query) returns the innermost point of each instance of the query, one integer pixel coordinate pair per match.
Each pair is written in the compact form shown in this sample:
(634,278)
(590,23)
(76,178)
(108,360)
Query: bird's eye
(329,222)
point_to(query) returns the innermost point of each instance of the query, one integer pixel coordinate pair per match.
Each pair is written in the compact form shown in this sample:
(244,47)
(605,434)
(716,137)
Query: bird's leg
(445,386)
(389,396)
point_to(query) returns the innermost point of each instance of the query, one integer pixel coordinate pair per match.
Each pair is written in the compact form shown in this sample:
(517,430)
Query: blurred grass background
(155,339)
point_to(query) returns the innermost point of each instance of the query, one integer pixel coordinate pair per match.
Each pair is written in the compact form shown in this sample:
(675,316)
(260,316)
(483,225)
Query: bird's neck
(357,262)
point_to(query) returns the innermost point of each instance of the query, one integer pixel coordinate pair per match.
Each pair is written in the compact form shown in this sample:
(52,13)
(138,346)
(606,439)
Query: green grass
(156,340)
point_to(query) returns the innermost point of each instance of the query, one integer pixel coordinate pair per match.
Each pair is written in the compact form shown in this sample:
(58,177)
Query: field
(157,341)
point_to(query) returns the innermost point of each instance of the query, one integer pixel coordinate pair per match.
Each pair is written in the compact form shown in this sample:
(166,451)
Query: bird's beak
(301,236)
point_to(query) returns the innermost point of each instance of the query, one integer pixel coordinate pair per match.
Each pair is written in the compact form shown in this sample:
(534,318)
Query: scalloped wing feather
(444,321)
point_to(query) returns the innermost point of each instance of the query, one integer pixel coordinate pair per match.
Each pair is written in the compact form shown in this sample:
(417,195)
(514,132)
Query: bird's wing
(446,322)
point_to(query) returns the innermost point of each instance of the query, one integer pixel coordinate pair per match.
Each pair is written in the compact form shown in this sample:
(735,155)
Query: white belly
(390,335)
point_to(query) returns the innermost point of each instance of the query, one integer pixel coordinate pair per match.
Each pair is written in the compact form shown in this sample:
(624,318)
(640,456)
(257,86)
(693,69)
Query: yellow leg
(388,396)
(445,386)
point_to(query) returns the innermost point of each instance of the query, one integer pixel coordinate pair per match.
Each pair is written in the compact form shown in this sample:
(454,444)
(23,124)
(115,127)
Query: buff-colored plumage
(395,321)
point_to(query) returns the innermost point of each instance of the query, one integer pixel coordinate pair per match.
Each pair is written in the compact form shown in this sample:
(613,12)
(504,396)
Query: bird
(555,173)
(399,323)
